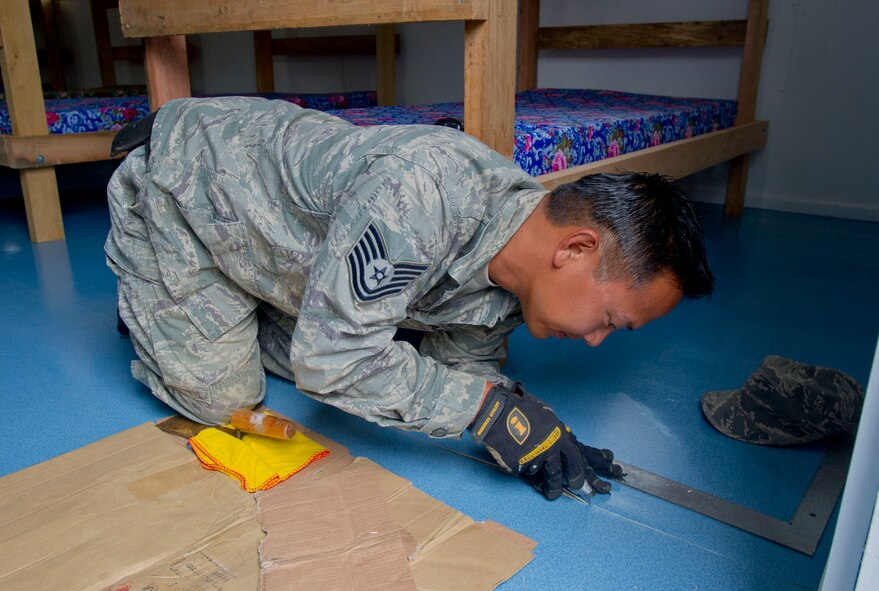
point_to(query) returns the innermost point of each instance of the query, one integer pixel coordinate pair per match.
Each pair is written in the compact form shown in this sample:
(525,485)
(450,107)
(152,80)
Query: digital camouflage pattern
(786,402)
(260,234)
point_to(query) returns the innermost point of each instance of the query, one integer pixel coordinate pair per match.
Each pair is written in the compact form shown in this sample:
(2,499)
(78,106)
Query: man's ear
(580,242)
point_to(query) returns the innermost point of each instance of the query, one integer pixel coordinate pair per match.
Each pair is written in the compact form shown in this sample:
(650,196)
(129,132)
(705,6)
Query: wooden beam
(529,25)
(749,80)
(167,69)
(53,46)
(490,77)
(150,18)
(24,98)
(682,34)
(263,50)
(675,159)
(334,45)
(387,45)
(101,29)
(40,151)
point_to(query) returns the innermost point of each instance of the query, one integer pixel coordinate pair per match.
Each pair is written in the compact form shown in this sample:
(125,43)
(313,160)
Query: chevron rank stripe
(373,275)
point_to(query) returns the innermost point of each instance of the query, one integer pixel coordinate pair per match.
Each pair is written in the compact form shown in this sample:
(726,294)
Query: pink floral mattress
(101,111)
(559,128)
(555,128)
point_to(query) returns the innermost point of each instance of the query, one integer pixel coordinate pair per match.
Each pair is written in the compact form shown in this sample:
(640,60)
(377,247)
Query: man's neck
(513,267)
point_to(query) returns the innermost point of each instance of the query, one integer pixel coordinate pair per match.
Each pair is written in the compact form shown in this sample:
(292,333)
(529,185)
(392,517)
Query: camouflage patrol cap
(786,402)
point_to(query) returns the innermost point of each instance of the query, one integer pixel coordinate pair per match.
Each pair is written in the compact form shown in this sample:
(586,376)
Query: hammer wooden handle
(263,423)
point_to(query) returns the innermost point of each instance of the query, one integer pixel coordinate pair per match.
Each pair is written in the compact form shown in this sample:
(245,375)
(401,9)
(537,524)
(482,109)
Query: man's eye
(611,325)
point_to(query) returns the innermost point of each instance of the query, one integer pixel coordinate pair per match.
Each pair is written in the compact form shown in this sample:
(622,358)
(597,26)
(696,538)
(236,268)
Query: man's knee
(210,403)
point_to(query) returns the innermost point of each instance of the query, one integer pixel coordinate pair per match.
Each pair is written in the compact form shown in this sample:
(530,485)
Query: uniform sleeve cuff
(455,409)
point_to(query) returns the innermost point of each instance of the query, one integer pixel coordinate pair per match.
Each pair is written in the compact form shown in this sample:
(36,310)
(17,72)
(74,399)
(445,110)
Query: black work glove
(525,437)
(599,462)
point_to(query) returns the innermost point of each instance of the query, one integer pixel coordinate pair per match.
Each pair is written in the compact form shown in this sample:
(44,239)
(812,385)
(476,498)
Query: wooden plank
(42,205)
(40,151)
(529,25)
(24,98)
(53,45)
(265,63)
(749,79)
(101,29)
(334,45)
(490,76)
(150,18)
(675,159)
(752,58)
(167,69)
(680,34)
(386,48)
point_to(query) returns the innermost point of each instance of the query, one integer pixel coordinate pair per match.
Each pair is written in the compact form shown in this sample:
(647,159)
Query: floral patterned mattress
(78,112)
(555,128)
(559,128)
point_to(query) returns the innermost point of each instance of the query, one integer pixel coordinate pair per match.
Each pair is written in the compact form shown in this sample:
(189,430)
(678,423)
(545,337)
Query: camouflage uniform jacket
(352,230)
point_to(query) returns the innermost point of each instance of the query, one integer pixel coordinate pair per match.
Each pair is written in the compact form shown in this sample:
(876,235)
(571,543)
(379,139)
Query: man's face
(575,304)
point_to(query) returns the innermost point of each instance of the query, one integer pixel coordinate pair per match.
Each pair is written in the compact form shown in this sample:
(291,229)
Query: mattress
(559,128)
(555,128)
(102,111)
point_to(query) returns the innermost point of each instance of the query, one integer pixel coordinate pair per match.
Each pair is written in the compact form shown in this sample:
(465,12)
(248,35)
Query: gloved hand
(599,462)
(525,437)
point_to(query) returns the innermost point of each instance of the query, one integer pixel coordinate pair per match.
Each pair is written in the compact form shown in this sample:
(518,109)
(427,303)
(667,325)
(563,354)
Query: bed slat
(729,33)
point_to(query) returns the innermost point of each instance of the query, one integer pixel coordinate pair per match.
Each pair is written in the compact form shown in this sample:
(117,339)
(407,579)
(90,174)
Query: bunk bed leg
(735,188)
(21,78)
(385,74)
(489,77)
(749,79)
(167,69)
(265,63)
(529,28)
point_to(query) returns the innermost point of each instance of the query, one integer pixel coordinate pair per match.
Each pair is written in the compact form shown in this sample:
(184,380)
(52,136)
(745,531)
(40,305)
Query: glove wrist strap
(491,411)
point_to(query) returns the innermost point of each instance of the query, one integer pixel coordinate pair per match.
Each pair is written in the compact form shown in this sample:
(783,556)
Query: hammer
(263,422)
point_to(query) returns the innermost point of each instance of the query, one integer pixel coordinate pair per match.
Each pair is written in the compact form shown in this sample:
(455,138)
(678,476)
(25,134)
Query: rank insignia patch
(373,275)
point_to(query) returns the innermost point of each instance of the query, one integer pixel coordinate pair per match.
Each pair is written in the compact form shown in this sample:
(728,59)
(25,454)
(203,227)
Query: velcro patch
(373,274)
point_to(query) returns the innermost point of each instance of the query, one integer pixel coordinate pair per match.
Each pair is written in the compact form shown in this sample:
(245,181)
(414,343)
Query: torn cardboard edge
(135,511)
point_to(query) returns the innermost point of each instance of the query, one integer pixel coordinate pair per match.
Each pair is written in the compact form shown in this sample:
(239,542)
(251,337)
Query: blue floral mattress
(555,128)
(559,128)
(89,111)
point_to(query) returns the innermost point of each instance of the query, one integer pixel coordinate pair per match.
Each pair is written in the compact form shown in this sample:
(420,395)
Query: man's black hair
(648,227)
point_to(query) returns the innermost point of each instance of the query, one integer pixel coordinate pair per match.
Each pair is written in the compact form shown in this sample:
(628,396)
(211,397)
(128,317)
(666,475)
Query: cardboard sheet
(92,517)
(329,532)
(136,512)
(332,532)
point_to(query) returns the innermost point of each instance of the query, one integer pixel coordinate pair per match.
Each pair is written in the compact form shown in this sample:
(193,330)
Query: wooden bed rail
(750,34)
(152,18)
(674,159)
(38,151)
(489,43)
(729,33)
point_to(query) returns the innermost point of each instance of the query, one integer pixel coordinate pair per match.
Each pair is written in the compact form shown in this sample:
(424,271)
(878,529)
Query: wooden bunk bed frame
(684,157)
(34,152)
(490,67)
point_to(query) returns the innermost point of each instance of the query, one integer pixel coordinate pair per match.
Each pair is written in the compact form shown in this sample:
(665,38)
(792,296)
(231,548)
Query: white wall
(819,85)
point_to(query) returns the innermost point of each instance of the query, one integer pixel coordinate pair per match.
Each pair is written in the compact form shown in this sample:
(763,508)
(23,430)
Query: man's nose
(594,338)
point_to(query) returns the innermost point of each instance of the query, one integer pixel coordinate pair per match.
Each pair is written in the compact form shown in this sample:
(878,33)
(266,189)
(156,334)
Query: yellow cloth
(258,462)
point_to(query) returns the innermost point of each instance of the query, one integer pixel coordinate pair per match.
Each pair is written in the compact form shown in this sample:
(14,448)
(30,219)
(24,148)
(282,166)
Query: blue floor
(795,285)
